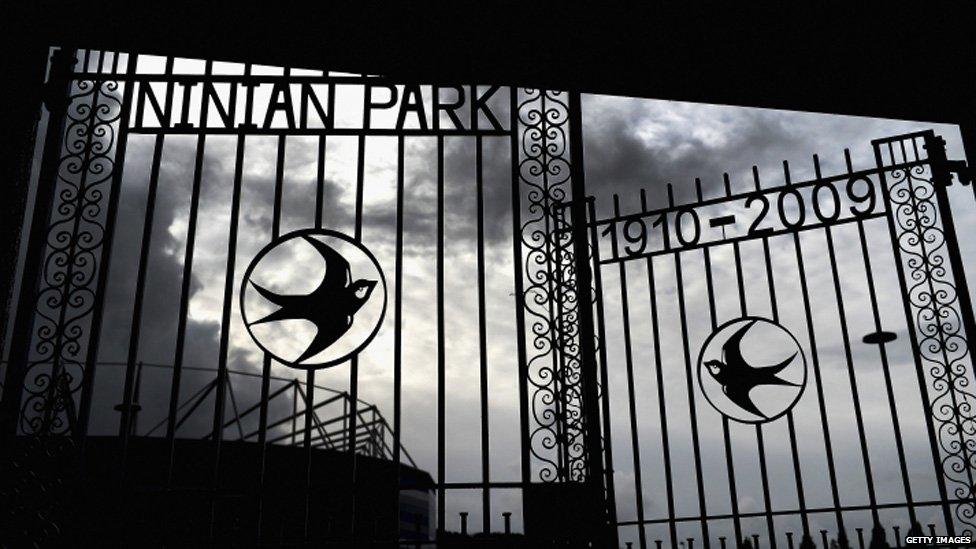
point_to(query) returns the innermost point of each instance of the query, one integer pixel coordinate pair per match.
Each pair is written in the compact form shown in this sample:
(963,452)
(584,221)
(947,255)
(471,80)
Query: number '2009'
(790,207)
(826,204)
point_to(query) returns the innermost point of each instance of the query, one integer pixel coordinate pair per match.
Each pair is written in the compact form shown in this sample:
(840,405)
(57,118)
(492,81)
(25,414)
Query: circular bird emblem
(752,370)
(313,298)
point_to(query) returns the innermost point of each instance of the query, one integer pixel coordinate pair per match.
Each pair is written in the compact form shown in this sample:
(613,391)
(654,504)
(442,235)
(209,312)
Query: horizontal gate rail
(690,235)
(183,114)
(649,222)
(797,511)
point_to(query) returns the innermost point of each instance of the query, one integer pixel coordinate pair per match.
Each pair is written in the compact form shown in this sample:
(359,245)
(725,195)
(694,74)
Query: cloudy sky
(629,144)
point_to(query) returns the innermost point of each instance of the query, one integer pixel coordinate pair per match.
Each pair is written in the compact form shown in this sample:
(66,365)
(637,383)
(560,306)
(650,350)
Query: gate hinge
(942,171)
(943,168)
(56,93)
(965,173)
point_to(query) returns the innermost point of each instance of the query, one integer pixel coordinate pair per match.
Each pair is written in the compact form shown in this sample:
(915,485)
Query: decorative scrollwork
(942,343)
(557,436)
(76,231)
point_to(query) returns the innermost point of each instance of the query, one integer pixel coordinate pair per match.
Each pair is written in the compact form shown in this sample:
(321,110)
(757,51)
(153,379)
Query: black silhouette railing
(330,430)
(97,100)
(879,537)
(904,198)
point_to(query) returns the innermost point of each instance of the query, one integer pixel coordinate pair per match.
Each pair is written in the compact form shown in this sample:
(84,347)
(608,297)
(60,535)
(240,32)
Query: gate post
(559,377)
(25,78)
(56,100)
(938,311)
(941,179)
(587,330)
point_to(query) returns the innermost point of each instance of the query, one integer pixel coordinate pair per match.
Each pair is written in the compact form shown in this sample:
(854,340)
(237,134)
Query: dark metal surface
(564,258)
(904,192)
(56,350)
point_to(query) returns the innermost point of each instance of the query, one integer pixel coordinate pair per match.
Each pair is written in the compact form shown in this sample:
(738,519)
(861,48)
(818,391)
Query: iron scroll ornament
(343,306)
(556,438)
(730,370)
(67,292)
(942,346)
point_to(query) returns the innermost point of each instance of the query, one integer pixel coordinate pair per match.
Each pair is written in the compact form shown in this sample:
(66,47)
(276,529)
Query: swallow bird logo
(752,370)
(313,298)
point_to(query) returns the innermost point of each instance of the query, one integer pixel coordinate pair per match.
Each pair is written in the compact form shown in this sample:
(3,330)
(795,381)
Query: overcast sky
(629,144)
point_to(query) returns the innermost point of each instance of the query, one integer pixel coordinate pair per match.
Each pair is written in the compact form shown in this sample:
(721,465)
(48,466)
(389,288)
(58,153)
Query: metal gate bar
(690,388)
(917,359)
(865,254)
(110,217)
(872,177)
(611,507)
(441,351)
(173,118)
(581,457)
(923,214)
(625,312)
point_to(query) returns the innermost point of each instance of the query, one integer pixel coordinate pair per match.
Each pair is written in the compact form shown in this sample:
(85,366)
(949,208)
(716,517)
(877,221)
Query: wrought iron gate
(92,348)
(868,249)
(576,364)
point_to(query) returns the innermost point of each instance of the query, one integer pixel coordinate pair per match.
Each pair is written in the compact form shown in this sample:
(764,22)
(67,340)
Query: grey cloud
(629,144)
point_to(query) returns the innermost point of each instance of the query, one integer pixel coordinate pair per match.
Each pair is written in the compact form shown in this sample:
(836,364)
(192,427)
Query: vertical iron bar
(441,461)
(913,339)
(850,366)
(482,341)
(816,368)
(398,326)
(320,183)
(266,364)
(696,446)
(559,333)
(136,323)
(759,432)
(726,430)
(187,275)
(760,442)
(631,399)
(140,293)
(310,375)
(865,255)
(523,372)
(94,340)
(354,361)
(176,377)
(604,376)
(764,475)
(892,408)
(227,306)
(798,477)
(662,405)
(584,285)
(865,458)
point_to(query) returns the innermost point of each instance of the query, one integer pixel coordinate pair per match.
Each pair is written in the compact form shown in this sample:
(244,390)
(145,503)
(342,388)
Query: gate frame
(940,219)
